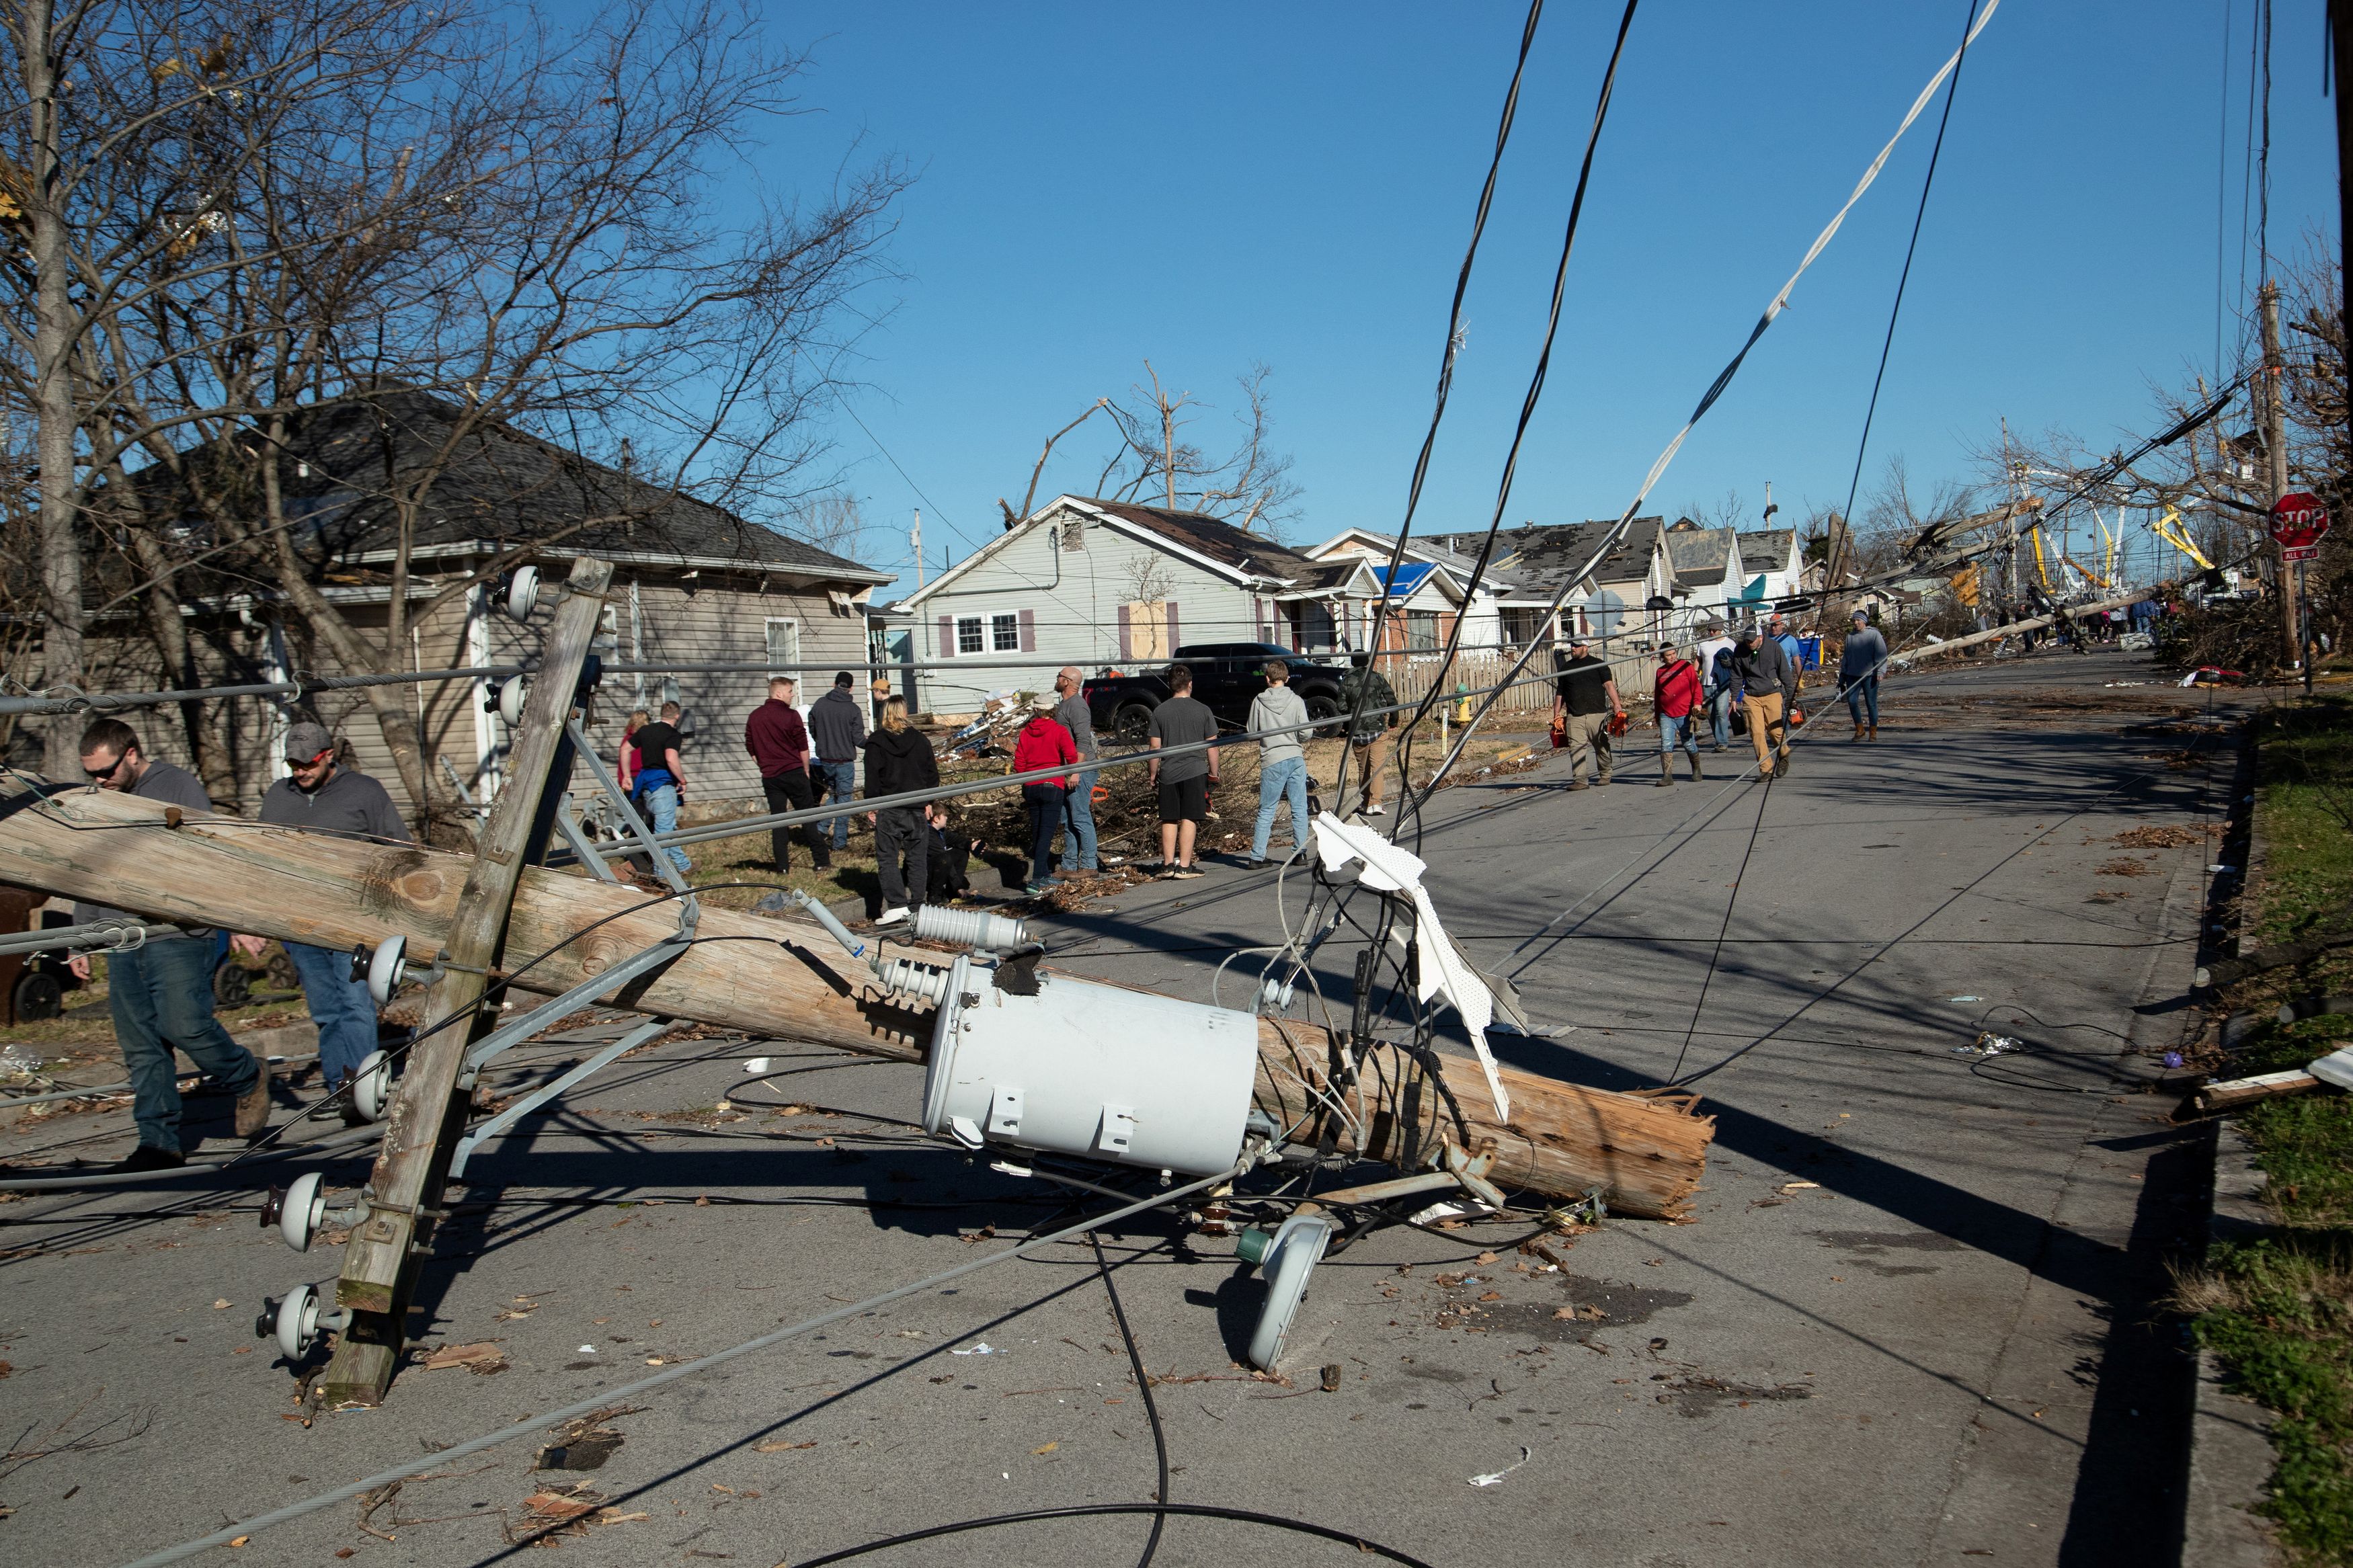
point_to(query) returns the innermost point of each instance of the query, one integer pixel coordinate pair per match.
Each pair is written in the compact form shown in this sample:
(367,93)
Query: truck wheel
(1325,710)
(1132,725)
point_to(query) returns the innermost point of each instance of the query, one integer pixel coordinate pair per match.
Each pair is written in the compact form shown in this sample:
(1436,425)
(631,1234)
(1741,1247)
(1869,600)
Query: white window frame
(1002,624)
(792,644)
(979,625)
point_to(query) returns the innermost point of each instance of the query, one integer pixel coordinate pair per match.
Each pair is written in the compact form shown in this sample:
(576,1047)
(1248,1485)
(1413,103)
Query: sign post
(2299,522)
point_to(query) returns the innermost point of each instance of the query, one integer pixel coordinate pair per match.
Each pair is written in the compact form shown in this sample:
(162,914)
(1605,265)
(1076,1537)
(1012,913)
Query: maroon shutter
(1028,631)
(947,637)
(1172,628)
(1123,655)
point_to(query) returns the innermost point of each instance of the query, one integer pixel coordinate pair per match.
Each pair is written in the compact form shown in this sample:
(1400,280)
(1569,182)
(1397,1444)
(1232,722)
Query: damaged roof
(1547,551)
(1213,537)
(1700,556)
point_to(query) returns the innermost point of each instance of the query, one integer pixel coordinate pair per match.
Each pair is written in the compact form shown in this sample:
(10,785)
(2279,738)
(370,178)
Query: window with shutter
(968,634)
(1005,633)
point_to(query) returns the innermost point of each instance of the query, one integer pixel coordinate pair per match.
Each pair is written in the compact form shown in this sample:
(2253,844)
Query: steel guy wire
(1773,310)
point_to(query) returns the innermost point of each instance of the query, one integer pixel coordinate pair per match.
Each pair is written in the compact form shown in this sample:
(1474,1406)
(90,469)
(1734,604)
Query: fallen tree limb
(780,978)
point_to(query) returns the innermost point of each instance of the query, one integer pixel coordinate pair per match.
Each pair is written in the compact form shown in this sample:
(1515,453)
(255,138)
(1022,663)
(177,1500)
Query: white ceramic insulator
(970,928)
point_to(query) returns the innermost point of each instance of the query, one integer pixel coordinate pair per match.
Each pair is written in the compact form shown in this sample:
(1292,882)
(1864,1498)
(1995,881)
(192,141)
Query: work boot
(1666,772)
(1858,730)
(253,1105)
(1874,731)
(1694,763)
(148,1157)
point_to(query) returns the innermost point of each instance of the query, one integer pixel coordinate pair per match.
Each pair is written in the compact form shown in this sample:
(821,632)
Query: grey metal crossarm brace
(506,1037)
(529,1103)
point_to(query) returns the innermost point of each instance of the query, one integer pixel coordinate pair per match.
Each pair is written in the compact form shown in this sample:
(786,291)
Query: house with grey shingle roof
(1708,571)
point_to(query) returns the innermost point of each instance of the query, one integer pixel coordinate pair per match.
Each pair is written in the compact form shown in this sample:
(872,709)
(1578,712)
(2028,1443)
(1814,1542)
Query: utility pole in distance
(916,535)
(2275,455)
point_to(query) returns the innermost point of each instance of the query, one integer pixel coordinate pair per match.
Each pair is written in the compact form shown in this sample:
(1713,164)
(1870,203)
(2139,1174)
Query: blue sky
(1210,185)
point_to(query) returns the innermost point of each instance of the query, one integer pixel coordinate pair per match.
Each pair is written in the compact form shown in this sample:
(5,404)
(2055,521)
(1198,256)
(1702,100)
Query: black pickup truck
(1227,676)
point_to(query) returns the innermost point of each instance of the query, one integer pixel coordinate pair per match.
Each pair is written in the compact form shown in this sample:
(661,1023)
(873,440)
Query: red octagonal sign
(2298,522)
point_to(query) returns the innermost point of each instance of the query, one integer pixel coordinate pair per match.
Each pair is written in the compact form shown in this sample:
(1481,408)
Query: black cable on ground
(1099,1509)
(1143,1386)
(1716,955)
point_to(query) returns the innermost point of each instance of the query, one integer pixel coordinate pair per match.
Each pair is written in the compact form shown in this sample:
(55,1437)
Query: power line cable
(1895,311)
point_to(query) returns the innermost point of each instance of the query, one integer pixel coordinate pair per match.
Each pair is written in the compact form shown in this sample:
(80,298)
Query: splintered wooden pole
(403,1196)
(782,978)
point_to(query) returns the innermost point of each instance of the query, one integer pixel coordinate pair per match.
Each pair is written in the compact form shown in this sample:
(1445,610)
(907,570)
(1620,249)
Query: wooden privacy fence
(1411,674)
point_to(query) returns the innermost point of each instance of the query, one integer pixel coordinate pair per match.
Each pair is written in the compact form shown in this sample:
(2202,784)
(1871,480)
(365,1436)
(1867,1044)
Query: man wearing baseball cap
(323,796)
(1585,696)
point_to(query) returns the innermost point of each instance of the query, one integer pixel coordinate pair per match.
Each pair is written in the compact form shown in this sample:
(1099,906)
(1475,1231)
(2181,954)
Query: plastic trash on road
(1989,1044)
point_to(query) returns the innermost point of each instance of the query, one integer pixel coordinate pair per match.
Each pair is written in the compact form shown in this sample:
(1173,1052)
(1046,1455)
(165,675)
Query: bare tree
(1249,486)
(832,521)
(471,232)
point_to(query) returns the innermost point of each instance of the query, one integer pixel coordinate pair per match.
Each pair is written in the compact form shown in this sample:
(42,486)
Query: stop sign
(2298,522)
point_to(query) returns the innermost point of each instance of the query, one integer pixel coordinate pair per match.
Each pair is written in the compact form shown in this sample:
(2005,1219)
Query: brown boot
(1874,731)
(1666,772)
(1694,763)
(253,1105)
(1857,732)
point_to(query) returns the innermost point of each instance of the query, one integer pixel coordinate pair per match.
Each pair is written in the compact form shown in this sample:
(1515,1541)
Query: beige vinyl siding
(1074,597)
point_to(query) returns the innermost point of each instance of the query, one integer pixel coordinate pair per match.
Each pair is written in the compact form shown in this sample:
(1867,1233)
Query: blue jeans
(1864,691)
(1079,817)
(161,996)
(1674,732)
(840,780)
(1719,718)
(661,805)
(340,1006)
(1278,782)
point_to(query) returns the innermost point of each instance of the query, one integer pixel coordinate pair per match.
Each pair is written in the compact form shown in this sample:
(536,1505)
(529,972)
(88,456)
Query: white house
(1506,612)
(1108,585)
(1708,574)
(1770,558)
(1611,593)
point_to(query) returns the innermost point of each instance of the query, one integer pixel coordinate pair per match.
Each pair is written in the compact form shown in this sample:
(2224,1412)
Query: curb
(2230,1456)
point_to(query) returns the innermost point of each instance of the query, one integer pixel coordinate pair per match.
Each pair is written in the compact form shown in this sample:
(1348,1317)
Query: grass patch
(2279,1311)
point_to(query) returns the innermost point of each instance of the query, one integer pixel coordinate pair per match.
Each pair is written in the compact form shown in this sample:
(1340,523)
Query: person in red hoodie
(1677,694)
(1043,743)
(779,741)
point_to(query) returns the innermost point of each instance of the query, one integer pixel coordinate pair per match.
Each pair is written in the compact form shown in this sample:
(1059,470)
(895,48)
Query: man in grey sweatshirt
(1282,759)
(1081,853)
(1860,663)
(1768,687)
(322,796)
(161,995)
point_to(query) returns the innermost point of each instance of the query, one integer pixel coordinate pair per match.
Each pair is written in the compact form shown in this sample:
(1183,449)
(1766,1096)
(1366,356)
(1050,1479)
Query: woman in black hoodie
(899,760)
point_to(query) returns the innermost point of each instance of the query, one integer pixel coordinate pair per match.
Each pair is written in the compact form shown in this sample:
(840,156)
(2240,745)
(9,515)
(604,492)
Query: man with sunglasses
(324,797)
(161,995)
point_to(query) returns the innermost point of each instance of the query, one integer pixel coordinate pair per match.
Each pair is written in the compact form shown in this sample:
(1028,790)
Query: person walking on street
(161,995)
(1715,677)
(1864,656)
(837,727)
(1366,685)
(1281,760)
(1044,743)
(779,741)
(324,797)
(1182,782)
(898,762)
(1768,684)
(1585,698)
(1079,809)
(659,780)
(1676,695)
(627,770)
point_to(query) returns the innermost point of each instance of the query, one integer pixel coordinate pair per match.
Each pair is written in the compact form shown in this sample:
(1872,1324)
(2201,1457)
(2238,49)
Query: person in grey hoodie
(1864,656)
(1078,806)
(1768,685)
(323,796)
(1281,760)
(837,727)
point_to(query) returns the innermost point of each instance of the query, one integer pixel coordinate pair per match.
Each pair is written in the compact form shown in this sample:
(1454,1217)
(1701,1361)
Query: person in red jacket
(1678,694)
(1043,743)
(779,741)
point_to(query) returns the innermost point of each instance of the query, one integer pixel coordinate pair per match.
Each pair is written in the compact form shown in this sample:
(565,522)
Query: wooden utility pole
(2275,459)
(782,978)
(2340,29)
(403,1198)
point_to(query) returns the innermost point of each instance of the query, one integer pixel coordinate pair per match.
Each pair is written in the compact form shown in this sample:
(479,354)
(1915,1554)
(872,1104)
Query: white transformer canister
(1091,1070)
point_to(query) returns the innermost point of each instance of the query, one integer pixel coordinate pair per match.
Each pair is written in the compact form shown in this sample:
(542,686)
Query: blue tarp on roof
(1409,578)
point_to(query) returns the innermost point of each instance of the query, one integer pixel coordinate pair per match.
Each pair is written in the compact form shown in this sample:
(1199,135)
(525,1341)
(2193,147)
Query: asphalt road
(1911,1319)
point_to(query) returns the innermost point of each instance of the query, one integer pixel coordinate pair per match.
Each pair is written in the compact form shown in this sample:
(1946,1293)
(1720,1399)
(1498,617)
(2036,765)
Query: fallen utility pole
(789,980)
(1996,634)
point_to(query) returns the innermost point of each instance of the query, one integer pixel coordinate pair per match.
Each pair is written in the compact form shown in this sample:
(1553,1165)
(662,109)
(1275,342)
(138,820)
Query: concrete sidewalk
(1911,1323)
